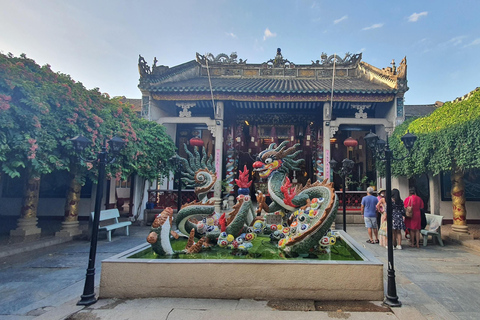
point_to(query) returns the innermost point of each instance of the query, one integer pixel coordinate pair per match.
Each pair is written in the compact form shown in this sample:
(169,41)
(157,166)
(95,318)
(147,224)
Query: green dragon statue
(275,163)
(200,216)
(306,213)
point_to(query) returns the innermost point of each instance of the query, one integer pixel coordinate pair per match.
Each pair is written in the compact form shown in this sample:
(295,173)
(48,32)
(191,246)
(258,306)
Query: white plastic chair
(433,229)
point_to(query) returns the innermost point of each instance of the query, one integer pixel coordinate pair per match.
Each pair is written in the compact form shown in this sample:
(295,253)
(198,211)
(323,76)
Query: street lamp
(381,150)
(176,161)
(80,143)
(347,166)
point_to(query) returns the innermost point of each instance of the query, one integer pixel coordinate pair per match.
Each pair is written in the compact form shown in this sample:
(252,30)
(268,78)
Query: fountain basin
(123,277)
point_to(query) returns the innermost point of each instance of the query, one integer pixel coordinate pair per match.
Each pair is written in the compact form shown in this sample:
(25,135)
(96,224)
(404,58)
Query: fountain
(269,252)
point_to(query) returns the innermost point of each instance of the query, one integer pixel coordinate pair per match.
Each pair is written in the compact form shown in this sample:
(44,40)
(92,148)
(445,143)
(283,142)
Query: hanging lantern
(350,142)
(292,133)
(308,137)
(196,142)
(273,134)
(238,137)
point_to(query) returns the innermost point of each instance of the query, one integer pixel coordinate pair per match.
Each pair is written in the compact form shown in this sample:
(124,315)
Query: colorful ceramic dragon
(306,213)
(275,163)
(198,218)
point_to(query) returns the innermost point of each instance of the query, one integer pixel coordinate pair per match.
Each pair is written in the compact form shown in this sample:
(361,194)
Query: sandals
(370,241)
(376,241)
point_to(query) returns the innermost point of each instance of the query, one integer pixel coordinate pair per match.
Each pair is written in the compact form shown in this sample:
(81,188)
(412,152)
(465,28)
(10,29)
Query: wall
(473,211)
(47,207)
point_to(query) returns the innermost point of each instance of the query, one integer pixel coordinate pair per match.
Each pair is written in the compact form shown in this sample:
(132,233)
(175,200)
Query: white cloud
(231,34)
(475,42)
(340,20)
(268,34)
(374,26)
(415,16)
(456,41)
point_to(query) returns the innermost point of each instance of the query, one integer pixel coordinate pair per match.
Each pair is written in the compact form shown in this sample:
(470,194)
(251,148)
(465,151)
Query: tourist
(381,209)
(414,223)
(398,212)
(369,203)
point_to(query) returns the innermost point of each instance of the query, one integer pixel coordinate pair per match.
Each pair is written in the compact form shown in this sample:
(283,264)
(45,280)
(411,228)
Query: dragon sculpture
(298,217)
(308,229)
(198,218)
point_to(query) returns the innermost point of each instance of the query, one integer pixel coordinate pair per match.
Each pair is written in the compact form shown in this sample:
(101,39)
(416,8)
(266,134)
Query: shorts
(370,222)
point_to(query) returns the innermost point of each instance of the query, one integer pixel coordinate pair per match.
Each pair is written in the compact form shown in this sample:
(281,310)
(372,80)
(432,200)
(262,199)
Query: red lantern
(350,142)
(196,142)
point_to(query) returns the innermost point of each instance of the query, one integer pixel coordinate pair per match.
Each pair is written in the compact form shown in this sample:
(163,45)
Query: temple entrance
(254,132)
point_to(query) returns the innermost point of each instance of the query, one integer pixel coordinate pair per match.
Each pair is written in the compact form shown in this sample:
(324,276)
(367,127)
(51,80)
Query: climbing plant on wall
(448,140)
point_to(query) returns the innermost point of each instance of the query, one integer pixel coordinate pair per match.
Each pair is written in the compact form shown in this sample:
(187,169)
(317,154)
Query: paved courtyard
(432,283)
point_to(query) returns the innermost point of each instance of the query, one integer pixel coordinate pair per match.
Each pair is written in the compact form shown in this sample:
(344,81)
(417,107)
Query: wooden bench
(433,229)
(111,214)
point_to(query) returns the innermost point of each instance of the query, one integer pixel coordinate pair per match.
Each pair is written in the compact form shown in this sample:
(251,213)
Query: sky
(98,42)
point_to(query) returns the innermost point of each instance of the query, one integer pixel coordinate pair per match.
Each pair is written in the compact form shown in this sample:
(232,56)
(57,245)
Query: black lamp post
(80,144)
(178,166)
(381,150)
(347,166)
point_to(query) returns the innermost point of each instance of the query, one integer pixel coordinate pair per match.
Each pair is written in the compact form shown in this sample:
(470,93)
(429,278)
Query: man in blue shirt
(369,203)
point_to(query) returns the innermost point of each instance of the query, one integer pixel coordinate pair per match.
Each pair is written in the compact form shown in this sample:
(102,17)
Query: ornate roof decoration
(221,58)
(144,68)
(234,77)
(349,59)
(279,62)
(392,76)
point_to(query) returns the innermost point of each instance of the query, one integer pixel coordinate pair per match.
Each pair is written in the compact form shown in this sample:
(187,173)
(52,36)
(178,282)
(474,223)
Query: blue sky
(98,42)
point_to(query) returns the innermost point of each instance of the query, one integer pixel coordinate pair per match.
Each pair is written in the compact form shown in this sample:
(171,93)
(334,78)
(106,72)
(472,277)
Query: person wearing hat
(381,209)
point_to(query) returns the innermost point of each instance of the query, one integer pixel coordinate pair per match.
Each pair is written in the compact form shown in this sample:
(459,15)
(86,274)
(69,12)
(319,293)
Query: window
(472,185)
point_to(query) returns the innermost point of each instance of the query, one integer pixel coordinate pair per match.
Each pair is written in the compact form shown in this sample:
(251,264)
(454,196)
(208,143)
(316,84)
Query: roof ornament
(402,69)
(143,67)
(221,58)
(279,62)
(327,60)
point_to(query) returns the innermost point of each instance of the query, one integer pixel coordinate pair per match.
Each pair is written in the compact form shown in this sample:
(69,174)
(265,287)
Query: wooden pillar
(70,225)
(27,224)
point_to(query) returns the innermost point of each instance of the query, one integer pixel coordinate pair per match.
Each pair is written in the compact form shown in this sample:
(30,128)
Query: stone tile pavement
(45,283)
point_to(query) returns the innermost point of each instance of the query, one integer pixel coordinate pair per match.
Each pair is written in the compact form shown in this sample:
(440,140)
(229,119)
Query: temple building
(237,109)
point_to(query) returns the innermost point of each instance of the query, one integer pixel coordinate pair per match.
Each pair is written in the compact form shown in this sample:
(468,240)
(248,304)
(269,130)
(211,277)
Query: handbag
(409,210)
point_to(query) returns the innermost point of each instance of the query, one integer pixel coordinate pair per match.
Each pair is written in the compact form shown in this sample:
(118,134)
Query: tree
(40,110)
(448,140)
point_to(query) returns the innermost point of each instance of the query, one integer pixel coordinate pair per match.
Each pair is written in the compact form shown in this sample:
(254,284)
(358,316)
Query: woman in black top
(398,213)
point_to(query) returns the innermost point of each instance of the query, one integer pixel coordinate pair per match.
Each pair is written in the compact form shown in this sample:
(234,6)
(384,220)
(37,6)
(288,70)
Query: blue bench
(112,216)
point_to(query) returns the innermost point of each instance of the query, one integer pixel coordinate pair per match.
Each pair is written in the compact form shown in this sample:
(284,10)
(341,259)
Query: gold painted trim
(277,97)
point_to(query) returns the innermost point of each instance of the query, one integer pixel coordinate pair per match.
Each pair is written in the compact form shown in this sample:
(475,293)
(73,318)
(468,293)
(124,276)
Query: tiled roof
(284,86)
(415,110)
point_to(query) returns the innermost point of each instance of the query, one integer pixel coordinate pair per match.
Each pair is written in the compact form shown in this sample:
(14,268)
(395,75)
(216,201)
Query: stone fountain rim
(367,256)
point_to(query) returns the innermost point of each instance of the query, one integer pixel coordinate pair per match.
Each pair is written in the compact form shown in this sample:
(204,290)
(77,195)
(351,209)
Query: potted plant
(363,183)
(349,182)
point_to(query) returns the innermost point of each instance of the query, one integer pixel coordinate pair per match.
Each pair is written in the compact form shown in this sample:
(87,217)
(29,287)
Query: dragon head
(277,158)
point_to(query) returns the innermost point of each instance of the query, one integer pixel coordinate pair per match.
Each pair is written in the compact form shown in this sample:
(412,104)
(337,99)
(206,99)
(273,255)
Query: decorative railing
(168,198)
(353,199)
